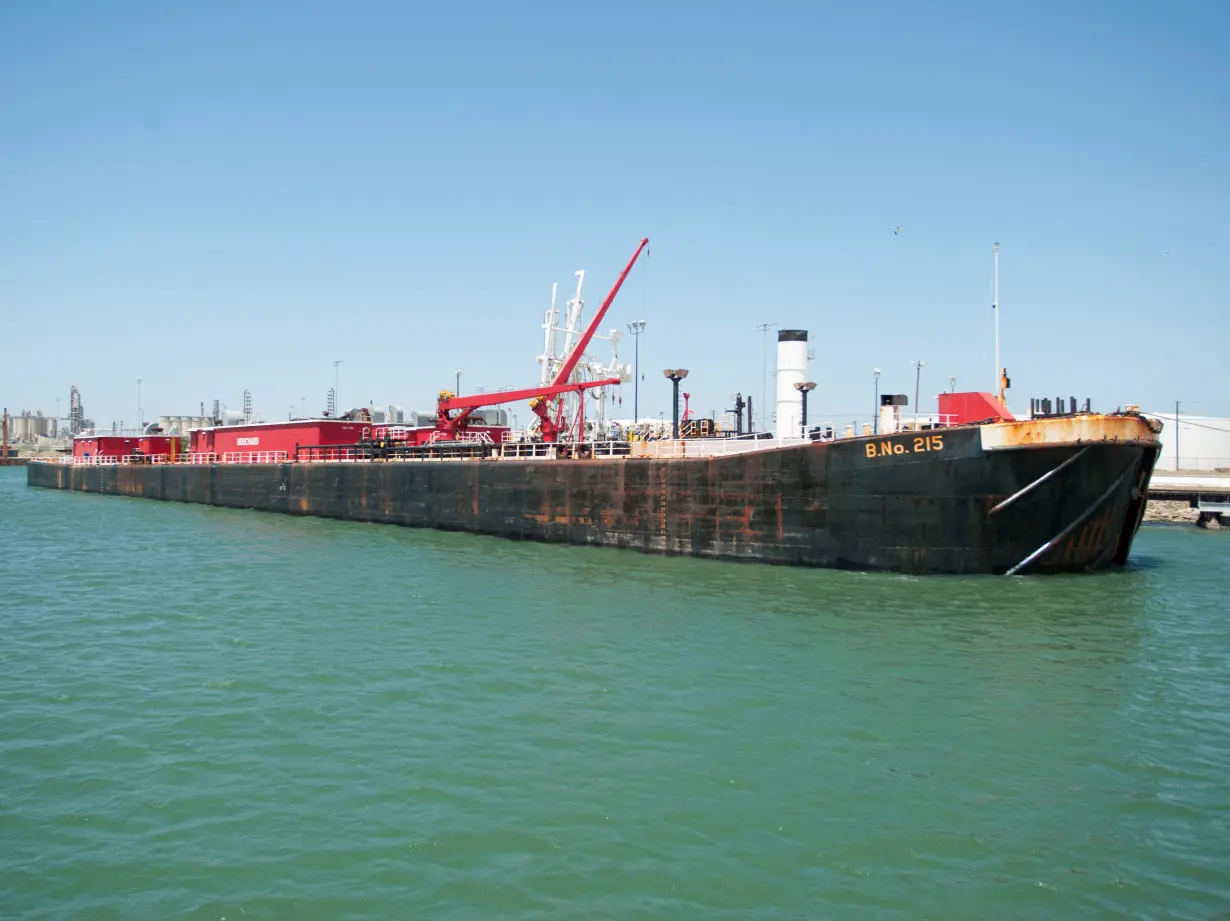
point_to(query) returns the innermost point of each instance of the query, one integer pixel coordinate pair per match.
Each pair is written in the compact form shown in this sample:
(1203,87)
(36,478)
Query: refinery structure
(34,428)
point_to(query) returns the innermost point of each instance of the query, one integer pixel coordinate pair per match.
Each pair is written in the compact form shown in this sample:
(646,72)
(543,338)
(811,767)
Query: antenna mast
(999,390)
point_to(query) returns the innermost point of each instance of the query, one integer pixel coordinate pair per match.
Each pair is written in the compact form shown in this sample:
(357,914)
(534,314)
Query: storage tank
(396,416)
(791,370)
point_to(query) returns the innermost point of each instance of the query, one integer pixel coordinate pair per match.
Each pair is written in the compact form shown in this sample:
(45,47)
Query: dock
(1207,492)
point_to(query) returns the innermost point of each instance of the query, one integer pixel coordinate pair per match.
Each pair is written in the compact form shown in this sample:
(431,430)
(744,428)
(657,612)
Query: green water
(218,714)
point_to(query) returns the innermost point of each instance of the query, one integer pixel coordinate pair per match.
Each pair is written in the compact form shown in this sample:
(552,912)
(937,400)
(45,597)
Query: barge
(976,492)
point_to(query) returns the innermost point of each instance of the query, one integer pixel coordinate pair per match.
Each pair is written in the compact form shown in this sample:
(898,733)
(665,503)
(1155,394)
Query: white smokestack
(791,370)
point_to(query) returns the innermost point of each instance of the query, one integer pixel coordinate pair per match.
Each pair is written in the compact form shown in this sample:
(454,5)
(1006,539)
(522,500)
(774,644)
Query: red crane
(541,397)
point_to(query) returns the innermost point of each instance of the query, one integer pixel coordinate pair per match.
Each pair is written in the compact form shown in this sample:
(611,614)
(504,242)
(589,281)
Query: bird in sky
(896,230)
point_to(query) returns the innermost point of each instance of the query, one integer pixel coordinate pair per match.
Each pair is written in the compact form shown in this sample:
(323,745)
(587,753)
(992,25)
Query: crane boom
(465,406)
(570,363)
(512,396)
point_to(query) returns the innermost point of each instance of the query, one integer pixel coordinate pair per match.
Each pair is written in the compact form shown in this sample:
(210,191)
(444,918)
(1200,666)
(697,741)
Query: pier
(1205,491)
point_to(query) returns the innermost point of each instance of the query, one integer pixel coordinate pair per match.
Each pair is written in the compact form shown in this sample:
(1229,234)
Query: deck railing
(129,460)
(480,449)
(253,457)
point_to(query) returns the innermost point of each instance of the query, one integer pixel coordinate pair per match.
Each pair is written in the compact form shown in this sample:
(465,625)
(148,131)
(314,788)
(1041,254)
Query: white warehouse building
(1193,442)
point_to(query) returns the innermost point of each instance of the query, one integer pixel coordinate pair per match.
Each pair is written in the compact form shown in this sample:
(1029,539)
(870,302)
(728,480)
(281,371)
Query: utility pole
(636,327)
(764,365)
(999,391)
(1176,436)
(918,366)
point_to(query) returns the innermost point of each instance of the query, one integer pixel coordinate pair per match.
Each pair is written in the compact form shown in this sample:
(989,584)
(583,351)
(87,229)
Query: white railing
(473,438)
(398,434)
(130,459)
(514,450)
(907,423)
(106,460)
(198,457)
(253,457)
(708,447)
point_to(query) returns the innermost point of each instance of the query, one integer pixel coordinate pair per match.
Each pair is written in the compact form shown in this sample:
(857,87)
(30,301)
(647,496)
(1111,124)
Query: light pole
(764,368)
(458,373)
(337,408)
(675,375)
(875,413)
(918,366)
(804,388)
(1176,436)
(636,327)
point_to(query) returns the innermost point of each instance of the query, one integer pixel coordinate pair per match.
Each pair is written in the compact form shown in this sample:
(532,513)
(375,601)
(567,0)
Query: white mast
(547,358)
(999,391)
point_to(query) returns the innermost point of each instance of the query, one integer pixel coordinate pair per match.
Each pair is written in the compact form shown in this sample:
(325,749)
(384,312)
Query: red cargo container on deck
(265,441)
(155,445)
(117,446)
(103,445)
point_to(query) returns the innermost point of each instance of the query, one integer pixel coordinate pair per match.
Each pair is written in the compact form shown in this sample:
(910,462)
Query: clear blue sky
(228,195)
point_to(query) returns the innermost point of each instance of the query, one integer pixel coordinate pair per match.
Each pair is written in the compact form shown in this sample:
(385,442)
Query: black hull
(892,504)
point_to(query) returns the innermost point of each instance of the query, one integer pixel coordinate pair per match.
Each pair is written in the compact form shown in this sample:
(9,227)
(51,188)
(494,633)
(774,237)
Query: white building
(1196,442)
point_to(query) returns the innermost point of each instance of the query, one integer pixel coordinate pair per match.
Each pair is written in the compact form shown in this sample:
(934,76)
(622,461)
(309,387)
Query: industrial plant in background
(37,428)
